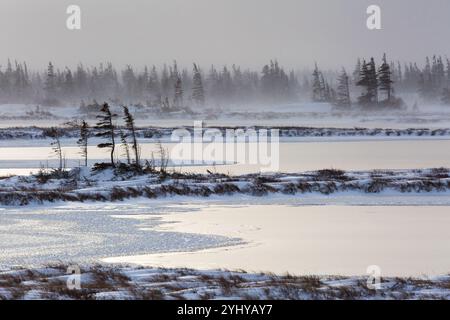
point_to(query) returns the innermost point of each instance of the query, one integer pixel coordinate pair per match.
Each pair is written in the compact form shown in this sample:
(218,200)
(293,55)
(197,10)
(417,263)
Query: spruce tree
(317,90)
(56,145)
(426,86)
(343,90)
(225,83)
(153,83)
(130,82)
(373,81)
(123,140)
(384,77)
(198,93)
(129,123)
(357,72)
(83,141)
(105,128)
(178,97)
(68,83)
(50,82)
(368,80)
(165,81)
(324,90)
(364,98)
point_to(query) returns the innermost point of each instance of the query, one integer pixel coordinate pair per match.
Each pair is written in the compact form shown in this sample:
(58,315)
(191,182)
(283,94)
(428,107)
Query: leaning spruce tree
(105,129)
(83,141)
(129,123)
(56,146)
(123,140)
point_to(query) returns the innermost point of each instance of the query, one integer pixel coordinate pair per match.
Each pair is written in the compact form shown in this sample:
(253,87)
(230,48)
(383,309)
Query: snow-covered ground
(121,282)
(37,136)
(109,185)
(313,234)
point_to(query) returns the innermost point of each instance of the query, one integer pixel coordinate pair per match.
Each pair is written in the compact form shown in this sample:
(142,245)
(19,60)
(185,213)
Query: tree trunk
(113,143)
(85,154)
(135,147)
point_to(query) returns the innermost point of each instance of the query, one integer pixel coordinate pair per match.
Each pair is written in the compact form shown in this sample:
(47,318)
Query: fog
(245,32)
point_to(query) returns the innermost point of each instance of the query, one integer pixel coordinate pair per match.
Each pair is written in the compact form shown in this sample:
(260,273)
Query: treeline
(168,86)
(377,86)
(429,81)
(171,87)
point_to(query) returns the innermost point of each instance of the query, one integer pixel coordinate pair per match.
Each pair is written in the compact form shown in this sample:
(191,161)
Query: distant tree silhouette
(83,141)
(105,129)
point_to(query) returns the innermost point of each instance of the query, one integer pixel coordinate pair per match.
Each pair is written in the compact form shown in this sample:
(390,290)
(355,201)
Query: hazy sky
(245,32)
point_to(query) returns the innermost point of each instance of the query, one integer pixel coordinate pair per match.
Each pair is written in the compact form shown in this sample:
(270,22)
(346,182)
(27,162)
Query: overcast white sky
(245,32)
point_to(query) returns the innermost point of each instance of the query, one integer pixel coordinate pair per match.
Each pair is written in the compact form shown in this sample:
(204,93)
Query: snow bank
(122,282)
(119,184)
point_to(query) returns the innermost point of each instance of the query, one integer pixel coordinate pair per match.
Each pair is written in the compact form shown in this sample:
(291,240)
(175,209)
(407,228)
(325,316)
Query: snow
(123,282)
(35,136)
(275,233)
(295,114)
(82,184)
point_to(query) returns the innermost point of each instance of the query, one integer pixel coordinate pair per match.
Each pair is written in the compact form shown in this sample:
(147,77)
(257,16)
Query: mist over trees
(170,87)
(343,98)
(154,86)
(373,86)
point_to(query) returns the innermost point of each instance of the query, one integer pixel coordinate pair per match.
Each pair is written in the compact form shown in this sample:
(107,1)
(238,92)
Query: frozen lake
(294,156)
(255,234)
(342,240)
(340,234)
(86,232)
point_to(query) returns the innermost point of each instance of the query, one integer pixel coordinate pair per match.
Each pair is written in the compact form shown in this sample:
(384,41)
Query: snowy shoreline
(84,185)
(97,282)
(290,133)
